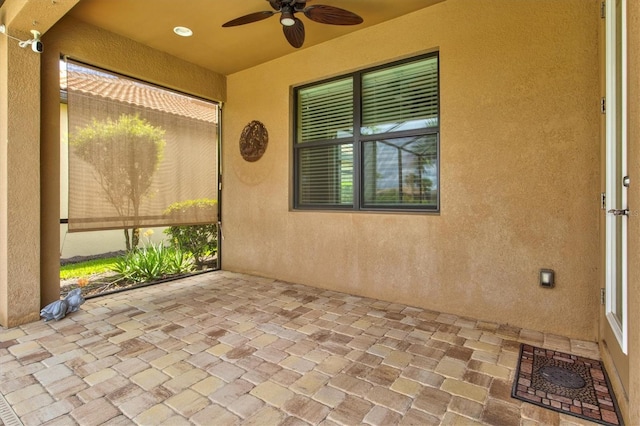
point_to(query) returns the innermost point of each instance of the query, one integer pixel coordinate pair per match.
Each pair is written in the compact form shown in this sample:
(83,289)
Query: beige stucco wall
(19,175)
(519,170)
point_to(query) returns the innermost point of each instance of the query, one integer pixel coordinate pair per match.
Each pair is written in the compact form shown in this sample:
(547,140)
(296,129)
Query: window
(369,141)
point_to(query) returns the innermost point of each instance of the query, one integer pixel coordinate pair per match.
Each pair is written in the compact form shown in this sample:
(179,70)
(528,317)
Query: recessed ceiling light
(183,31)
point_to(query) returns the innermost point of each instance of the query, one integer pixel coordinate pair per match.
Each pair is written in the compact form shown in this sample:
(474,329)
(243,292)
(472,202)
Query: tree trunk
(135,237)
(127,240)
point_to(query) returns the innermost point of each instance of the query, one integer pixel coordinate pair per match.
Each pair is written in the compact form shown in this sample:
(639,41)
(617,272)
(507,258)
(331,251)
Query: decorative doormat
(565,383)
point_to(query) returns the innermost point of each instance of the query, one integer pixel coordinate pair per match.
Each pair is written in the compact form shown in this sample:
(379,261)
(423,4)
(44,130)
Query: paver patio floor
(224,349)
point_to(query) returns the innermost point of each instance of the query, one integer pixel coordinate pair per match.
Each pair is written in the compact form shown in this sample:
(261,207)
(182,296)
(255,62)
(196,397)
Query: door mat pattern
(565,383)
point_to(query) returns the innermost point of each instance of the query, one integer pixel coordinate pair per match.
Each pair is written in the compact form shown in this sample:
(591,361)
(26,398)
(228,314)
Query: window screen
(135,150)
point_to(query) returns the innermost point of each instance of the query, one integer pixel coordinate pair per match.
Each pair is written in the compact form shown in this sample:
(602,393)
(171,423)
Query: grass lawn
(87,268)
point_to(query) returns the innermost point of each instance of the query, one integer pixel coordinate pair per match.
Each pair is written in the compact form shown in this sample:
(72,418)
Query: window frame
(358,142)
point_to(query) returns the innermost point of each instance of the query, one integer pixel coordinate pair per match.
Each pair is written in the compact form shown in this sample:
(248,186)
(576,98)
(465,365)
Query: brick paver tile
(33,403)
(209,385)
(266,416)
(423,376)
(185,380)
(66,387)
(137,404)
(306,409)
(499,413)
(226,371)
(124,393)
(350,384)
(246,406)
(309,383)
(419,418)
(477,378)
(175,420)
(451,367)
(25,393)
(329,396)
(466,407)
(100,376)
(351,411)
(387,398)
(149,378)
(95,412)
(50,412)
(171,358)
(272,393)
(53,374)
(297,364)
(380,416)
(465,390)
(540,415)
(332,365)
(130,366)
(406,387)
(187,402)
(398,359)
(383,375)
(432,401)
(231,391)
(154,415)
(454,419)
(215,413)
(501,389)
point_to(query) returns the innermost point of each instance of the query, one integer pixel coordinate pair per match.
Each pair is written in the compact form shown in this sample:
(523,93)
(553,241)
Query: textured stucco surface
(520,170)
(19,187)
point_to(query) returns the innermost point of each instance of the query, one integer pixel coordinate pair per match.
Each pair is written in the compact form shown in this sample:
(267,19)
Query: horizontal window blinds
(404,97)
(136,151)
(327,175)
(326,111)
(389,161)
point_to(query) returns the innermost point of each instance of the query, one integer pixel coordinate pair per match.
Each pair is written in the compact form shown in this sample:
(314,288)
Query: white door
(617,181)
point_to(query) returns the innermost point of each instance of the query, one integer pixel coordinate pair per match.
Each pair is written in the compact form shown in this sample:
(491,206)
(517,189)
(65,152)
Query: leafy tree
(125,155)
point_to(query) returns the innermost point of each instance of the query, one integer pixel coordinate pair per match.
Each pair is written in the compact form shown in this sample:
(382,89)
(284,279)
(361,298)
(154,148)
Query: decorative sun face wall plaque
(253,141)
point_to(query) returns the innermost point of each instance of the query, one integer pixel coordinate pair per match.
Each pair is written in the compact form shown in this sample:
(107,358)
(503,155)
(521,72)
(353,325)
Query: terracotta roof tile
(138,94)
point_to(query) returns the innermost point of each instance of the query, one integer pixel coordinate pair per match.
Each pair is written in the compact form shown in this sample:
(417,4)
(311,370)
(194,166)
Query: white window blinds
(135,150)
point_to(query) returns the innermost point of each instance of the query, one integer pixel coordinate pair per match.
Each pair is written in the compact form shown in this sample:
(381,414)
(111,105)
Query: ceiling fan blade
(295,33)
(275,4)
(331,15)
(247,19)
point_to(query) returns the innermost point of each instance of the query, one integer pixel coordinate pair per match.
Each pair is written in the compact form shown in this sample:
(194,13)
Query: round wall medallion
(253,141)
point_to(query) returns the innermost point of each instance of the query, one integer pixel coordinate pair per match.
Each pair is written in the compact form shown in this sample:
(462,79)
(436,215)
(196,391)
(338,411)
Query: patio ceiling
(225,50)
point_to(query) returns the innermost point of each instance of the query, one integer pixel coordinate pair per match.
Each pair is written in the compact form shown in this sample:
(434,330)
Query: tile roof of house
(139,94)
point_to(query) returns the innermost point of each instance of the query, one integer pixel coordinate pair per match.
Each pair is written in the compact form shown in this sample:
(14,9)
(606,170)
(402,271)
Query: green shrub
(200,241)
(153,262)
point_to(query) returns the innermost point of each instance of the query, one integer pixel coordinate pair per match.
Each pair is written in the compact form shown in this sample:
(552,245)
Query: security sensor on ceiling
(35,43)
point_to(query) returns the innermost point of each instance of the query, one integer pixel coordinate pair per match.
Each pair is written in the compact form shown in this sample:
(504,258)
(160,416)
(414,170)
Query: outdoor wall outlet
(547,278)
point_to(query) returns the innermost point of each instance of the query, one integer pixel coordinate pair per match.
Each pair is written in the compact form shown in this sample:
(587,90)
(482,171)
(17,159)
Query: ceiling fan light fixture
(286,18)
(183,31)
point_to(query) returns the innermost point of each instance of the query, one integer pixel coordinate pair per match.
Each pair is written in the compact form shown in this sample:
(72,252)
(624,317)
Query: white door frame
(616,251)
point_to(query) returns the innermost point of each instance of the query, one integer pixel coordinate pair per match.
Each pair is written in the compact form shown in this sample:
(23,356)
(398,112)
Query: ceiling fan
(293,27)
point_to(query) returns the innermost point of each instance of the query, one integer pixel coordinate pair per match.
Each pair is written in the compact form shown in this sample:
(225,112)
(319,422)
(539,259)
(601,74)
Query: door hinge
(602,296)
(603,200)
(603,105)
(603,10)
